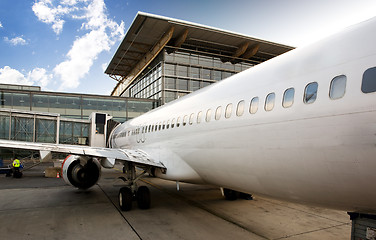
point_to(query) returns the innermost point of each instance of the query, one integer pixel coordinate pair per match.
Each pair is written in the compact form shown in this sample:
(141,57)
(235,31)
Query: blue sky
(65,45)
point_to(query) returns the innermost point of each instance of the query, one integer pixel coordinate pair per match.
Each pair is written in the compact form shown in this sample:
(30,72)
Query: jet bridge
(41,127)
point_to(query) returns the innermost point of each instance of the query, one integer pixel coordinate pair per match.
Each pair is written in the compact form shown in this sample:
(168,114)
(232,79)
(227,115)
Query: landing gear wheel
(230,194)
(125,198)
(143,197)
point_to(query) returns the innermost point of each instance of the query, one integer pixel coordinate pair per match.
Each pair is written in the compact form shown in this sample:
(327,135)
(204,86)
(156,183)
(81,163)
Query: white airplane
(300,127)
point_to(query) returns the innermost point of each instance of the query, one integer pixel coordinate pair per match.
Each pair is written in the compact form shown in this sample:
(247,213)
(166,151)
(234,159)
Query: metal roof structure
(149,34)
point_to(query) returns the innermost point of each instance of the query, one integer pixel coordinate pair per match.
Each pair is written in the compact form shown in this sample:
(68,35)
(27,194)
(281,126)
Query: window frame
(240,108)
(254,105)
(218,113)
(284,98)
(228,110)
(309,101)
(269,100)
(333,86)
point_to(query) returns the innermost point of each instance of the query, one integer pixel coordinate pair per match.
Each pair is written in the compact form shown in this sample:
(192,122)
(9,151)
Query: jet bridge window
(288,98)
(310,93)
(269,102)
(369,80)
(338,87)
(228,110)
(240,108)
(253,107)
(218,113)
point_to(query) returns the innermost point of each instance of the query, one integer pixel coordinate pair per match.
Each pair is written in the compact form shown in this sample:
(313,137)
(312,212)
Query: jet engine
(81,171)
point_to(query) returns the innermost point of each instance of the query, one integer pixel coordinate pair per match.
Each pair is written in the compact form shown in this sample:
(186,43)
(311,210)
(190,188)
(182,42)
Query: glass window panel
(269,102)
(169,57)
(182,84)
(6,100)
(173,123)
(4,126)
(191,119)
(288,97)
(240,108)
(185,120)
(217,75)
(195,85)
(194,59)
(205,73)
(310,93)
(228,110)
(208,115)
(218,113)
(21,100)
(170,83)
(254,105)
(199,116)
(338,87)
(182,71)
(40,100)
(169,69)
(195,72)
(178,122)
(45,131)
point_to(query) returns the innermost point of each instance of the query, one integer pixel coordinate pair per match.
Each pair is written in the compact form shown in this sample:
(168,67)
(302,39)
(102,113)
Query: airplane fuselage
(316,147)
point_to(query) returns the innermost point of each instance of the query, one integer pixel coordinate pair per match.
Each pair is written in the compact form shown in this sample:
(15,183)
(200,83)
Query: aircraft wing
(110,155)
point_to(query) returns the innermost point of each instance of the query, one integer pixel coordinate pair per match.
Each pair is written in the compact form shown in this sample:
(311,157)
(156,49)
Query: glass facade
(176,73)
(75,105)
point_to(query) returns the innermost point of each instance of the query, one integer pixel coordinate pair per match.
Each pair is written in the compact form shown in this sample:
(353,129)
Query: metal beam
(141,65)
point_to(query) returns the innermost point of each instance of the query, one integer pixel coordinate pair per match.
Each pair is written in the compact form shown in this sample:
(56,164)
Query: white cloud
(1,25)
(101,36)
(47,13)
(15,41)
(37,76)
(40,77)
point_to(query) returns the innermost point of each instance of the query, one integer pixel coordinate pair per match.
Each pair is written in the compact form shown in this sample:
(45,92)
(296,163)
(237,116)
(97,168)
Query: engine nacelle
(80,171)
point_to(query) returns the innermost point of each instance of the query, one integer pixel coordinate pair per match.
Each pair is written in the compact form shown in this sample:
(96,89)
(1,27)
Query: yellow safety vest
(16,163)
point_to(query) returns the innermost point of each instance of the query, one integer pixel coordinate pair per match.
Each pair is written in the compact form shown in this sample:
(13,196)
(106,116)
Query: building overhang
(149,34)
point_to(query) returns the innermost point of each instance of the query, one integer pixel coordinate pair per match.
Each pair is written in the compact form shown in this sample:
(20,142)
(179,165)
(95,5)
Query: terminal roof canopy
(147,31)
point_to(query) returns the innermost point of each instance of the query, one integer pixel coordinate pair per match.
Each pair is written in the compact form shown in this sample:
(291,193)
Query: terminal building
(163,58)
(160,59)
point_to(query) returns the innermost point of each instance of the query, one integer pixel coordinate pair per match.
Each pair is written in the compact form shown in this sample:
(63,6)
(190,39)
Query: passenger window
(218,113)
(185,120)
(199,116)
(168,124)
(369,80)
(253,107)
(310,93)
(228,110)
(191,119)
(178,122)
(163,126)
(240,108)
(269,102)
(288,98)
(208,115)
(338,87)
(173,123)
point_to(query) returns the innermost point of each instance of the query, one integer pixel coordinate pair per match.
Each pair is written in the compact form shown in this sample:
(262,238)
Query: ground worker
(16,168)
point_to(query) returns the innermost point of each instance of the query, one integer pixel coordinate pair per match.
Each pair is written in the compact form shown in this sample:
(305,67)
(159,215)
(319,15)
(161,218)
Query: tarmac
(35,207)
